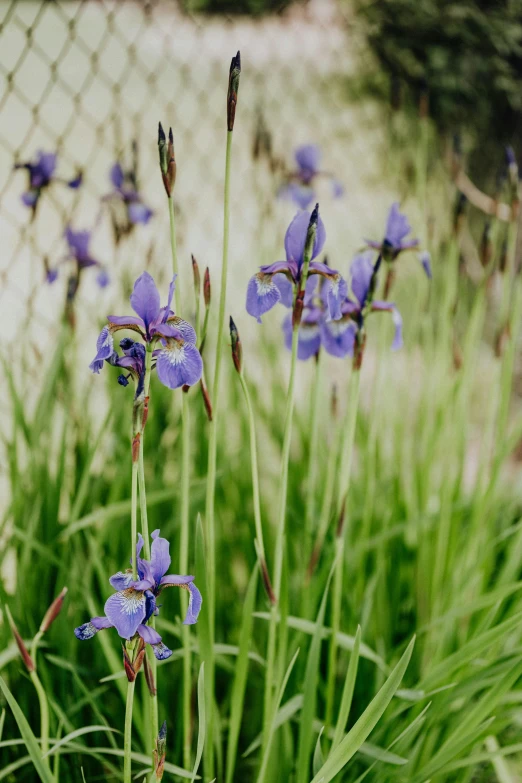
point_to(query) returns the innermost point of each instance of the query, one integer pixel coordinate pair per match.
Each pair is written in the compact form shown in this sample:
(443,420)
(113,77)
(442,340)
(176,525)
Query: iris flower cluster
(134,603)
(279,282)
(300,185)
(344,336)
(177,362)
(333,318)
(41,174)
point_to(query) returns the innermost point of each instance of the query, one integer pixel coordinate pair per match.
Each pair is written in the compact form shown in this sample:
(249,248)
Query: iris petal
(126,610)
(262,295)
(145,298)
(179,364)
(159,556)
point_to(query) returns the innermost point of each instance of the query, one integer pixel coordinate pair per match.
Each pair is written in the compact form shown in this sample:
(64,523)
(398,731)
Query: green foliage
(467,55)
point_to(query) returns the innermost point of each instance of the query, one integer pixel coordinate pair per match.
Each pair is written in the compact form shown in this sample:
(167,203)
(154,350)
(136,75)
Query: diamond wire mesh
(85,78)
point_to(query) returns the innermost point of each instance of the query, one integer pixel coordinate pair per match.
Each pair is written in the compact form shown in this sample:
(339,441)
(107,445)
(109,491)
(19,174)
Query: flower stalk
(233,86)
(237,358)
(185,512)
(347,447)
(127,741)
(270,675)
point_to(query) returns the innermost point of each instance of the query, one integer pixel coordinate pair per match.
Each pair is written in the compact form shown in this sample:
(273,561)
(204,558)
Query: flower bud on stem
(24,652)
(233,87)
(160,751)
(167,159)
(237,350)
(53,611)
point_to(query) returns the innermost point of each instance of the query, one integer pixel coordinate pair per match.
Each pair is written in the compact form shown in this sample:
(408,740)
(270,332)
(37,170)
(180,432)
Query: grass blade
(349,685)
(238,689)
(27,735)
(202,720)
(368,720)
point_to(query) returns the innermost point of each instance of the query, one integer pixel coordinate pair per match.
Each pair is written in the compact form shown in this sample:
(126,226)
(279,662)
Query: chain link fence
(86,79)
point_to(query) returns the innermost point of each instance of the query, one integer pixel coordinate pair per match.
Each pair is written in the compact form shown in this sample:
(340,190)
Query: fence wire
(86,79)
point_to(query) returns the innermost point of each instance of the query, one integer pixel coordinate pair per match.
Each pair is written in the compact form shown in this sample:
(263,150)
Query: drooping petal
(148,634)
(262,295)
(179,364)
(139,213)
(389,307)
(88,630)
(308,158)
(126,610)
(159,556)
(295,237)
(425,260)
(361,272)
(285,288)
(195,601)
(336,290)
(338,337)
(145,299)
(105,349)
(194,606)
(161,651)
(117,176)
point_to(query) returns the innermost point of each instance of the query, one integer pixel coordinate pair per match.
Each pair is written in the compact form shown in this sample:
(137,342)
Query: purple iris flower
(394,242)
(79,250)
(341,337)
(277,282)
(131,607)
(300,188)
(125,189)
(178,362)
(316,330)
(41,173)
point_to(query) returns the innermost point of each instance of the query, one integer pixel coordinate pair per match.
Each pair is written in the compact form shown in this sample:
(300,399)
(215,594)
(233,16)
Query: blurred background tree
(465,55)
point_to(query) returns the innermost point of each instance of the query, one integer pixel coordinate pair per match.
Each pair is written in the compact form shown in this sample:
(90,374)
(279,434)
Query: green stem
(134,518)
(44,715)
(211,473)
(185,512)
(313,464)
(153,703)
(128,734)
(254,467)
(342,510)
(270,683)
